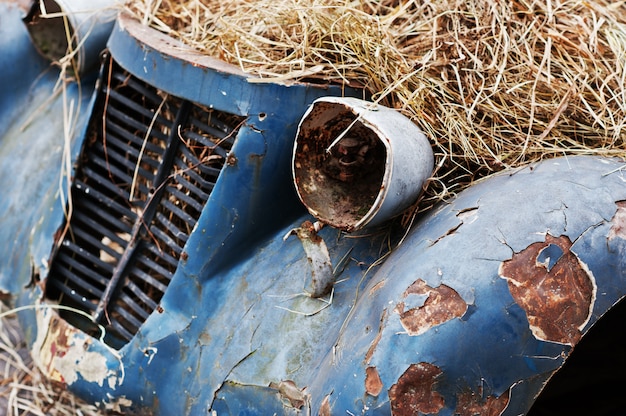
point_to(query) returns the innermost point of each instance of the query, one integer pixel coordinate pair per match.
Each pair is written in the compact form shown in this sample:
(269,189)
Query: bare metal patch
(471,403)
(374,344)
(618,222)
(62,352)
(291,393)
(325,407)
(322,277)
(441,304)
(373,383)
(414,392)
(555,289)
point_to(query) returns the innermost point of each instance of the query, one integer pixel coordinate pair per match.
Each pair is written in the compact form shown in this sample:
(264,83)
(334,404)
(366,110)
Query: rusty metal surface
(555,290)
(358,164)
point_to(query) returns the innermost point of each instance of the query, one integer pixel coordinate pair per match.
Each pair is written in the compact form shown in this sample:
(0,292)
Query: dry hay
(24,390)
(495,84)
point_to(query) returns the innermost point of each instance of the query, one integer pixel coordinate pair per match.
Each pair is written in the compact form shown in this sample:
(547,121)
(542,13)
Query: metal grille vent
(146,170)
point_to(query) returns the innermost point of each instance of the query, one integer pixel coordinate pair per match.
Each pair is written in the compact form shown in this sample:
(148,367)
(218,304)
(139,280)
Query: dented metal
(472,314)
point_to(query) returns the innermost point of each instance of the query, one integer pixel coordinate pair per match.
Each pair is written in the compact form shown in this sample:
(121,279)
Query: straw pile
(495,84)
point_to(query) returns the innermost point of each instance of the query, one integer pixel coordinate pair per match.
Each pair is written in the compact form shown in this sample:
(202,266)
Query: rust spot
(63,353)
(325,407)
(441,305)
(184,256)
(339,165)
(471,404)
(291,393)
(231,159)
(377,287)
(618,222)
(159,309)
(414,391)
(553,287)
(373,383)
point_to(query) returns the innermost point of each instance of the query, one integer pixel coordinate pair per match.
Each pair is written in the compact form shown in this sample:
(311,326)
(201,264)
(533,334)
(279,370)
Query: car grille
(147,167)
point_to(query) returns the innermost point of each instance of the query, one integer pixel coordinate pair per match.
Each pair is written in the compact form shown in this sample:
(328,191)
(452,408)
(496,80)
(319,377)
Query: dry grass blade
(494,84)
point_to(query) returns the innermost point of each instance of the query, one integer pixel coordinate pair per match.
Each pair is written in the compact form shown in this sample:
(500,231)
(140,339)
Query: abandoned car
(180,239)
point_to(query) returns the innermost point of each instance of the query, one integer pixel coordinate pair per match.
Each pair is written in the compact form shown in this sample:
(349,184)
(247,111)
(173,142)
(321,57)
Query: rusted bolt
(231,159)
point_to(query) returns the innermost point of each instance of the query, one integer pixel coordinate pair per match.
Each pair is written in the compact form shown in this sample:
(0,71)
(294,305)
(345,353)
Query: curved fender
(485,298)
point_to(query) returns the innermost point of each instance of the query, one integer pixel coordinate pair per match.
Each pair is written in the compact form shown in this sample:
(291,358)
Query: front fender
(486,297)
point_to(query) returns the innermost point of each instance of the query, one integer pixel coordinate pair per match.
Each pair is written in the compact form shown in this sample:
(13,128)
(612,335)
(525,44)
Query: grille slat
(169,241)
(120,177)
(134,306)
(181,214)
(90,291)
(163,255)
(112,156)
(117,134)
(202,194)
(148,280)
(73,296)
(119,256)
(120,330)
(82,190)
(179,195)
(101,220)
(117,101)
(125,314)
(144,298)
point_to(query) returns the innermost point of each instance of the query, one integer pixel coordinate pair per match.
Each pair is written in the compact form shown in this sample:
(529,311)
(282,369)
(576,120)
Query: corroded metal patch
(471,403)
(442,304)
(373,383)
(414,392)
(63,352)
(555,289)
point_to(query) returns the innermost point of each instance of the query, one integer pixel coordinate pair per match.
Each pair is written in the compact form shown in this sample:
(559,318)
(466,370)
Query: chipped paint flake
(117,404)
(325,407)
(374,344)
(291,393)
(471,403)
(441,304)
(63,353)
(322,276)
(414,392)
(373,383)
(618,222)
(555,289)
